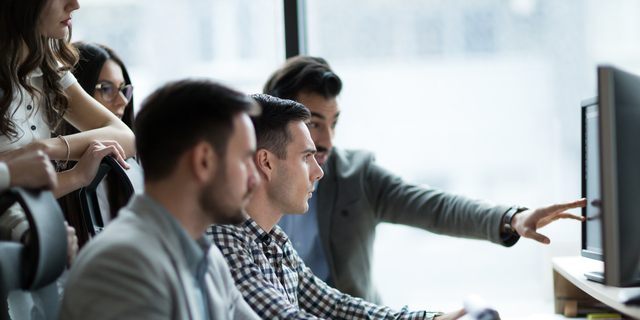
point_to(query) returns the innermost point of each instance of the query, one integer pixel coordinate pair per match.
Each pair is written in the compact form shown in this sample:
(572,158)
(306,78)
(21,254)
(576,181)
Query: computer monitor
(617,111)
(592,226)
(619,104)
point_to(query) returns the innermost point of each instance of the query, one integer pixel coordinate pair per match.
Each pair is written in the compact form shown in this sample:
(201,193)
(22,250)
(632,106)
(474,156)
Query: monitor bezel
(584,251)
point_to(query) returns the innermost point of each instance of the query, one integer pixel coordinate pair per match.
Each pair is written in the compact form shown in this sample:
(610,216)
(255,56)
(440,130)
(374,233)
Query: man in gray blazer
(195,141)
(335,237)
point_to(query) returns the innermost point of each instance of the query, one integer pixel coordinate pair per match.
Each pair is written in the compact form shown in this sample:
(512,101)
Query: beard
(216,200)
(288,200)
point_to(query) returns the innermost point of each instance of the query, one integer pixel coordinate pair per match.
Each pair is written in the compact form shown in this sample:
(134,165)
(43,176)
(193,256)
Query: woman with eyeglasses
(103,75)
(37,92)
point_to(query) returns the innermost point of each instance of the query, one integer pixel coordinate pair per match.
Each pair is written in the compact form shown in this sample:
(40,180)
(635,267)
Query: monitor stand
(596,276)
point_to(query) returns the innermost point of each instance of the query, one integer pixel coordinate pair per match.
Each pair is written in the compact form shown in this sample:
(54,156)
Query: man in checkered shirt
(266,268)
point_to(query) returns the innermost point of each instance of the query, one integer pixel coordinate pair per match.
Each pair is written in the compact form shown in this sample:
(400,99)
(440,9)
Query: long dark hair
(92,58)
(19,26)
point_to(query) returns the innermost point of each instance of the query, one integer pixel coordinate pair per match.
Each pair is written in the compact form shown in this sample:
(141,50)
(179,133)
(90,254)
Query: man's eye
(333,125)
(312,125)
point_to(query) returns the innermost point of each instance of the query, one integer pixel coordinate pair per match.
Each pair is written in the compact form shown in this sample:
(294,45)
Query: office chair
(132,182)
(37,265)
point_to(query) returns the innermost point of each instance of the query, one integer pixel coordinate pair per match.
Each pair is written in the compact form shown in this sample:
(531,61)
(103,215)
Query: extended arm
(393,200)
(96,123)
(271,293)
(396,201)
(319,298)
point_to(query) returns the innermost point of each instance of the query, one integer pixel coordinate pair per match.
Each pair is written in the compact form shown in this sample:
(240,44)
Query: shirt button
(298,244)
(29,107)
(33,127)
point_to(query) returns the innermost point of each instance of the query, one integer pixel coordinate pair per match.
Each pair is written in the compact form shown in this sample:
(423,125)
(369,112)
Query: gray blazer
(136,270)
(355,195)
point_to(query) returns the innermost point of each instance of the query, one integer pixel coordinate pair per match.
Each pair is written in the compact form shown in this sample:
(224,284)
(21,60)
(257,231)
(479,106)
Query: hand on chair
(87,166)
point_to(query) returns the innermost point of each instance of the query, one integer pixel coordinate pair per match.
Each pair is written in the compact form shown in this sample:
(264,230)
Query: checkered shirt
(276,283)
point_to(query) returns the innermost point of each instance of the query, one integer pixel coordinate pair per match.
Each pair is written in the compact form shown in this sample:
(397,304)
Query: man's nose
(316,171)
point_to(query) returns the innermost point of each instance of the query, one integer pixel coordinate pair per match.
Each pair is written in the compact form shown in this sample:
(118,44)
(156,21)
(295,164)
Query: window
(480,98)
(239,43)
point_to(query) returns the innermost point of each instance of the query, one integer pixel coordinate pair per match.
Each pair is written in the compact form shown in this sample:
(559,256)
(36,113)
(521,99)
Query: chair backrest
(39,263)
(132,182)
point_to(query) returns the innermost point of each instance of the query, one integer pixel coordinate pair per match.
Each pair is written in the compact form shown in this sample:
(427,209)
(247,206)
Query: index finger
(118,155)
(115,144)
(120,150)
(569,205)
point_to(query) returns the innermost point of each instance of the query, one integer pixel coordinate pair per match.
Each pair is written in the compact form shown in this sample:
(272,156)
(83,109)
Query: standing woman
(103,75)
(37,91)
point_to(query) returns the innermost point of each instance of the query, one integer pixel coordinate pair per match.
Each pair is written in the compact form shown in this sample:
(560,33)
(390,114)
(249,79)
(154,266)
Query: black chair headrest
(132,182)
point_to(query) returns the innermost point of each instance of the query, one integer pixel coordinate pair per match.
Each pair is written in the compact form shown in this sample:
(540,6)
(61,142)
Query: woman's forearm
(95,122)
(56,148)
(67,181)
(116,132)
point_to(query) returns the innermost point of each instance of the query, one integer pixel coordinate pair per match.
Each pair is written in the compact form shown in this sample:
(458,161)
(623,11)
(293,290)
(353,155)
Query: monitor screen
(592,227)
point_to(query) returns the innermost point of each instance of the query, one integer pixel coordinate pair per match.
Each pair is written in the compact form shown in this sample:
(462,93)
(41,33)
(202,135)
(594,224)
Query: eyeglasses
(109,92)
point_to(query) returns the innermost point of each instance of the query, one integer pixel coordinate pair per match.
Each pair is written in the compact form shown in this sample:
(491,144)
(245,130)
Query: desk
(570,286)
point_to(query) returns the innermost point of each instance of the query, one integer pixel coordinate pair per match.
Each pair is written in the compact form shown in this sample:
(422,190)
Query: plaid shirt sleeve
(318,298)
(273,296)
(260,293)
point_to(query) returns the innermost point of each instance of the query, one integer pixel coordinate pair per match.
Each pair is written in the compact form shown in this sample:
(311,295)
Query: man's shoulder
(222,232)
(349,162)
(351,157)
(119,271)
(226,236)
(127,240)
(234,244)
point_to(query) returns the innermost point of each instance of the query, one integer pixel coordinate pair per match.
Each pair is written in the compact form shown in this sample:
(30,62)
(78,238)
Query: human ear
(264,163)
(203,161)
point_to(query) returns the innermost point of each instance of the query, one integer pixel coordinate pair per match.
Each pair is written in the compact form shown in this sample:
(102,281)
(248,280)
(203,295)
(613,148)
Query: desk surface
(574,268)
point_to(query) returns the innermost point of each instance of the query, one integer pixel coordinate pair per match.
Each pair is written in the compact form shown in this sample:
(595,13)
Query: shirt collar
(194,251)
(36,73)
(257,233)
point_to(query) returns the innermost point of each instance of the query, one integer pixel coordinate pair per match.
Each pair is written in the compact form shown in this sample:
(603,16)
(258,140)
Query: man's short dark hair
(181,114)
(303,74)
(272,126)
